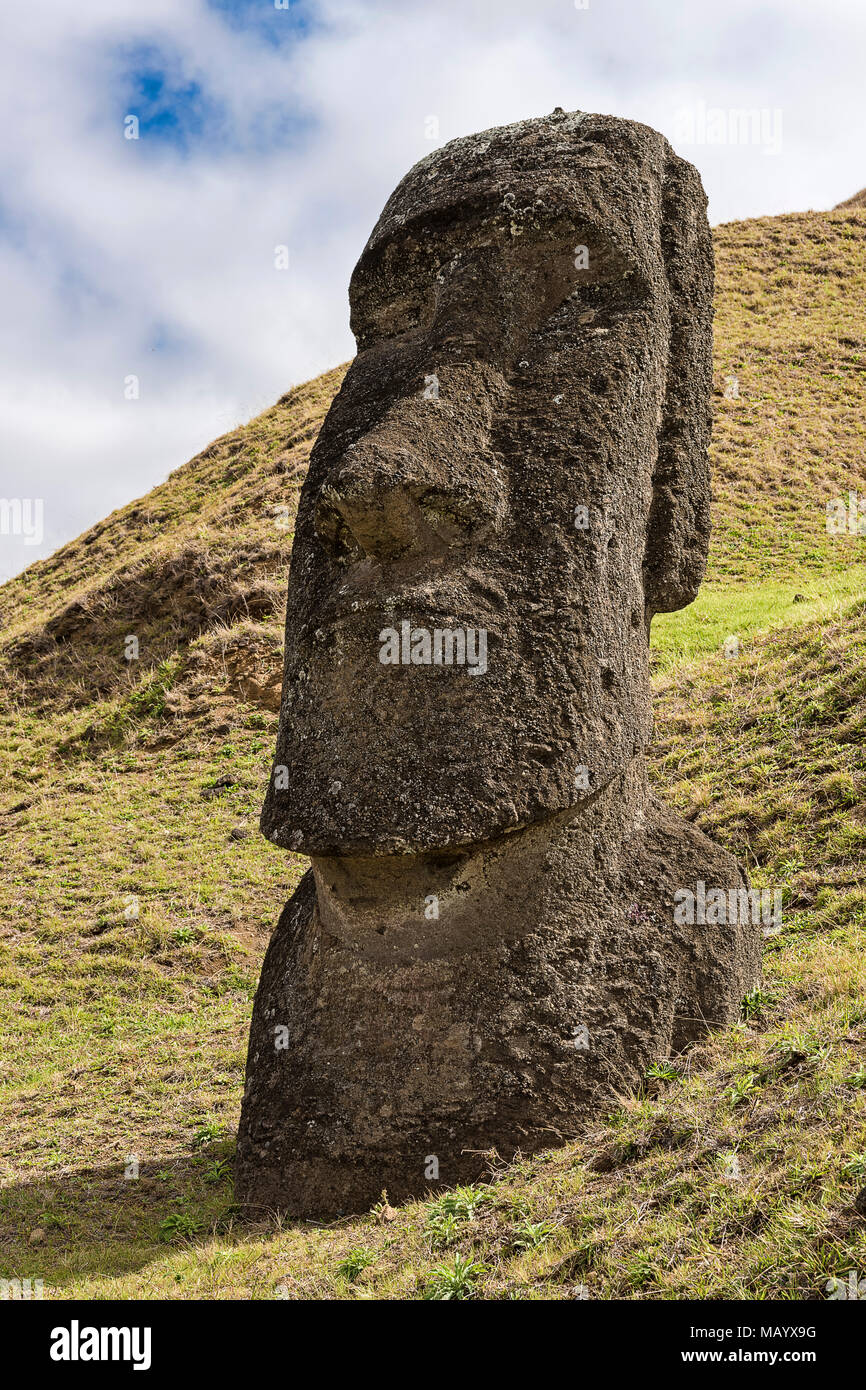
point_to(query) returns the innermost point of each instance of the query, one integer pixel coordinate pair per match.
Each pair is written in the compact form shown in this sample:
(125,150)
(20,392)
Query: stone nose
(387,508)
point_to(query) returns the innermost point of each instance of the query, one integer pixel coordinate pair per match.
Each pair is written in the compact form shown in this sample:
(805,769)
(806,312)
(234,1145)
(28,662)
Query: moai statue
(511,482)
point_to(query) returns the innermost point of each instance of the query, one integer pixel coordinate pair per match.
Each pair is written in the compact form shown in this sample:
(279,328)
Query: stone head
(511,481)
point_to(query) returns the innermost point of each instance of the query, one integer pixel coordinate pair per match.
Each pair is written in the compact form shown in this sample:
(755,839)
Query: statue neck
(408,906)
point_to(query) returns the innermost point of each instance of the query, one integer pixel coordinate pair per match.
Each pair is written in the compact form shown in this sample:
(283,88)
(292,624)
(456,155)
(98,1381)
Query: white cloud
(121,257)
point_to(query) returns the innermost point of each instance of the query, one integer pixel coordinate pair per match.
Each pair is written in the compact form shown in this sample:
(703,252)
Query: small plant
(755,1003)
(218,1171)
(530,1234)
(801,1045)
(382,1210)
(179,1226)
(356,1262)
(814,711)
(516,1204)
(454,1281)
(450,1213)
(840,789)
(742,1088)
(763,770)
(856,1166)
(147,700)
(207,1134)
(641,1271)
(443,1228)
(728,1160)
(789,867)
(663,1071)
(464,1202)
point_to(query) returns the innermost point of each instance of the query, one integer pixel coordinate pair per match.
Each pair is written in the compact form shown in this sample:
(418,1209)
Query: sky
(185,186)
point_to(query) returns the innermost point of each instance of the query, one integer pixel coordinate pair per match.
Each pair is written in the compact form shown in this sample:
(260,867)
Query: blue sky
(260,127)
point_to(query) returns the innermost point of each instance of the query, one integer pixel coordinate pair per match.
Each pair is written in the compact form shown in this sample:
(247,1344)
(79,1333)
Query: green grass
(723,610)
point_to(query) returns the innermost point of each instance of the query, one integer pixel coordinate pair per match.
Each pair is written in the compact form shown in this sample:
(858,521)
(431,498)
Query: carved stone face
(514,472)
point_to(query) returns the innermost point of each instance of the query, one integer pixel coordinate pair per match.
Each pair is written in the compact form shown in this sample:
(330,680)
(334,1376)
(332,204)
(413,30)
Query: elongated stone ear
(678,531)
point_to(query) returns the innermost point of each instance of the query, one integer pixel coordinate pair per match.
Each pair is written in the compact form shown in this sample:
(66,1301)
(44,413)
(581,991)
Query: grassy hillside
(136,896)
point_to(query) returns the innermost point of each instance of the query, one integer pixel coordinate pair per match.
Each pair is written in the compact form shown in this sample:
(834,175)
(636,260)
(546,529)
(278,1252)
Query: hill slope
(136,896)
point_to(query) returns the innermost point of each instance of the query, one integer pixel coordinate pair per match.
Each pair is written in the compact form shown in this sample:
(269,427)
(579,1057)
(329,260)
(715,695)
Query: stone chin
(364,833)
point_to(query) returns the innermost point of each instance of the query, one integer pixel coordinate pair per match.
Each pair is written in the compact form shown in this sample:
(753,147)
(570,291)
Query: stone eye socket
(390,313)
(334,533)
(450,514)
